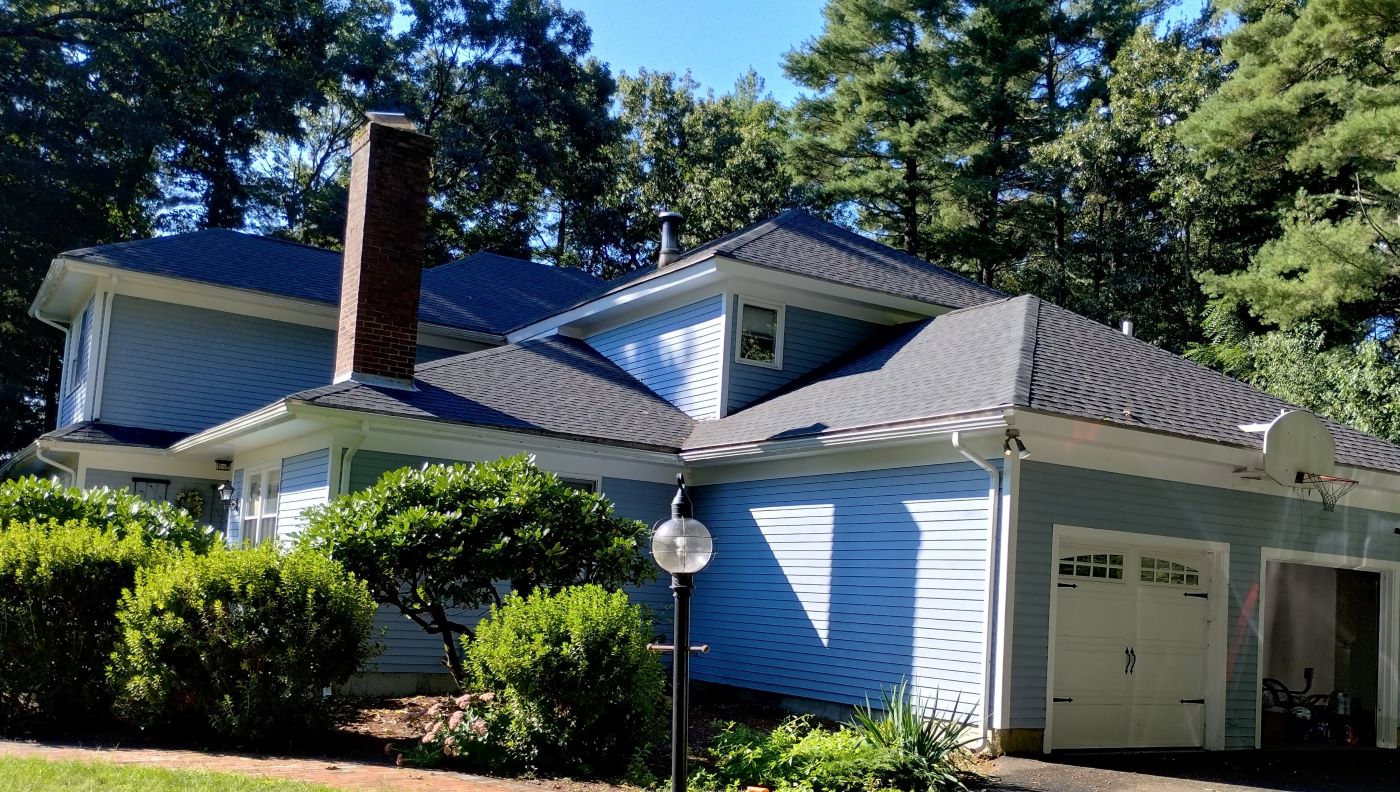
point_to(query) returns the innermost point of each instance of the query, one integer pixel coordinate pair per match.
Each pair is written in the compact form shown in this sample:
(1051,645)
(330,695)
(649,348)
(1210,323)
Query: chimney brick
(385,234)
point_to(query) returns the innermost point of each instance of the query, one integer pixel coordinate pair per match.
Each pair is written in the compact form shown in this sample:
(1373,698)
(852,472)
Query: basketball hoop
(1329,488)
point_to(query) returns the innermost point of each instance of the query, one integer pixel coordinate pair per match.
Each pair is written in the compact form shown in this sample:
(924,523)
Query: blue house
(1072,533)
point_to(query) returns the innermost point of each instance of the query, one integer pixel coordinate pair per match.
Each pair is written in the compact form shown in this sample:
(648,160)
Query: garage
(1131,638)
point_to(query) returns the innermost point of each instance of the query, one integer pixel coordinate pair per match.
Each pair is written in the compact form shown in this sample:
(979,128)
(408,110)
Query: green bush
(926,741)
(32,498)
(242,641)
(580,692)
(797,756)
(430,540)
(59,588)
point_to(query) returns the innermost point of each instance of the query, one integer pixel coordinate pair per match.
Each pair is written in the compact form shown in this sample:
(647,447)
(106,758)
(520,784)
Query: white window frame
(578,478)
(744,302)
(252,513)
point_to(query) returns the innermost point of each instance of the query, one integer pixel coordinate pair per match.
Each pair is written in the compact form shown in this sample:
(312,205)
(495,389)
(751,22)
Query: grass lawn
(41,775)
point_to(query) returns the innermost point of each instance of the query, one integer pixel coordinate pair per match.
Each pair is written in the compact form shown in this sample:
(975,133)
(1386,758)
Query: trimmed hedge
(241,641)
(32,498)
(580,692)
(59,588)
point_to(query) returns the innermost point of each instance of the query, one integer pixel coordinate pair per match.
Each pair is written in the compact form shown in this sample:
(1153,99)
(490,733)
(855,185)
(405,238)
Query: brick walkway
(361,777)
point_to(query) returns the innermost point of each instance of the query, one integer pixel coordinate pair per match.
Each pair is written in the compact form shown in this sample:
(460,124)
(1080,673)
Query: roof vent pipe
(1128,327)
(671,223)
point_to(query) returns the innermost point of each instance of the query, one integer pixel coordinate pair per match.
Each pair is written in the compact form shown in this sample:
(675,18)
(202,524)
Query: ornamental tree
(435,541)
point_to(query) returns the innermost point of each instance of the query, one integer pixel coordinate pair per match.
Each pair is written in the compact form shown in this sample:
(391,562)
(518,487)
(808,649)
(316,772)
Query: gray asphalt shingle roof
(799,243)
(1022,352)
(98,433)
(484,292)
(553,386)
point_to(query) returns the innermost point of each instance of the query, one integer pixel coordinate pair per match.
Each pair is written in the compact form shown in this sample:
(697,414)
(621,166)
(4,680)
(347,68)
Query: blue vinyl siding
(185,369)
(305,483)
(234,532)
(676,353)
(832,587)
(1052,494)
(810,339)
(73,403)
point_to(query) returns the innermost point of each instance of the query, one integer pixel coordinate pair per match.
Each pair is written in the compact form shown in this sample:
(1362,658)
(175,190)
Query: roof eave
(869,434)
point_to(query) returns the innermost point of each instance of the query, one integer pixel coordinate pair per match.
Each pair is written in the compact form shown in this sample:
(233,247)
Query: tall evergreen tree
(716,159)
(1305,133)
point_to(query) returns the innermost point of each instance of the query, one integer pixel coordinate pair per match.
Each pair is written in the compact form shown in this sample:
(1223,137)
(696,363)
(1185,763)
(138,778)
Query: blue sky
(716,40)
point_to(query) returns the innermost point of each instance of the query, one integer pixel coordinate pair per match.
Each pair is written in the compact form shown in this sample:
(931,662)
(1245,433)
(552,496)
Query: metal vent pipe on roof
(671,223)
(1128,327)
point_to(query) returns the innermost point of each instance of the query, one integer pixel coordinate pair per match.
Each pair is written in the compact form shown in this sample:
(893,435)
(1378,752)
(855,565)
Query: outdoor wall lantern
(681,546)
(226,494)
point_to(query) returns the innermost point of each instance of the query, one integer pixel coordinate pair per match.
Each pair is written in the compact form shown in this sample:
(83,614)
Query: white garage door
(1130,646)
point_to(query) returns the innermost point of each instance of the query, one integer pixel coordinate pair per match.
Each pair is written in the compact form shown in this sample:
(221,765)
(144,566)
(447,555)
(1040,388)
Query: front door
(1130,641)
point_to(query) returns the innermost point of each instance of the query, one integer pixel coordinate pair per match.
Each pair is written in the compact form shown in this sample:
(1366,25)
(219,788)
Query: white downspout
(343,486)
(39,454)
(993,536)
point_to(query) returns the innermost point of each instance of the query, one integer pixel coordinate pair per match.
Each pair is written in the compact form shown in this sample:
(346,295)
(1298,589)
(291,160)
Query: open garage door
(1130,647)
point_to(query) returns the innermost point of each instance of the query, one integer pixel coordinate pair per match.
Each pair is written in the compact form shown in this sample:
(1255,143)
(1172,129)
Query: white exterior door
(1130,648)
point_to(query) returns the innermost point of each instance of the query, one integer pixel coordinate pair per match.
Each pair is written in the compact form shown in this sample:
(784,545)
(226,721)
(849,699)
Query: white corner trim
(726,332)
(104,330)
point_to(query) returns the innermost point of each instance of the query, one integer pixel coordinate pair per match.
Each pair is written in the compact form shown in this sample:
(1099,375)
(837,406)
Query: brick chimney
(385,230)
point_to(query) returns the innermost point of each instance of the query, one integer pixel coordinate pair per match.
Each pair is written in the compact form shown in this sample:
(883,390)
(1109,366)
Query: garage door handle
(1062,700)
(1068,585)
(1132,664)
(1201,594)
(1193,701)
(1127,659)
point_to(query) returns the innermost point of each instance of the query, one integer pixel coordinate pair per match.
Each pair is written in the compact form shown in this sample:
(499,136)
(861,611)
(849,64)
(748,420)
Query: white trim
(779,333)
(100,348)
(244,302)
(764,449)
(688,277)
(1217,633)
(1388,664)
(787,281)
(725,363)
(1006,593)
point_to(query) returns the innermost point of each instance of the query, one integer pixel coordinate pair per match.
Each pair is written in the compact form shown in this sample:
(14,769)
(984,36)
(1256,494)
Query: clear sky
(716,40)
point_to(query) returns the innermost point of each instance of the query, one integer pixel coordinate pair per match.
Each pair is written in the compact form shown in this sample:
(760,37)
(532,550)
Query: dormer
(719,327)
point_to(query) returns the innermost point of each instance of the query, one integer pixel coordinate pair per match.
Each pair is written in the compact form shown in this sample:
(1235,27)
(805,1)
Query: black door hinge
(1200,594)
(1193,701)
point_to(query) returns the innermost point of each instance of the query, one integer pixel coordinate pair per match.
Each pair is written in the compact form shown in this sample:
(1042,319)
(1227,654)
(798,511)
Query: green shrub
(797,756)
(927,742)
(59,589)
(430,540)
(32,498)
(571,672)
(242,641)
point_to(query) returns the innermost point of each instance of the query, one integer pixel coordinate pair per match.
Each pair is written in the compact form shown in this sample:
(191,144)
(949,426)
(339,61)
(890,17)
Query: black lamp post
(681,546)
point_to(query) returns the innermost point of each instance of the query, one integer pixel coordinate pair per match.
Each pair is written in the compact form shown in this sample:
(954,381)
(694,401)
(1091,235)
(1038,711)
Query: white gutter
(911,430)
(993,535)
(39,454)
(343,486)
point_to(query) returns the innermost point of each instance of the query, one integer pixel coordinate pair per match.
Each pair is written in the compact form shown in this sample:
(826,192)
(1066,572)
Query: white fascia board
(271,415)
(883,308)
(911,431)
(246,302)
(445,439)
(1094,445)
(58,269)
(683,278)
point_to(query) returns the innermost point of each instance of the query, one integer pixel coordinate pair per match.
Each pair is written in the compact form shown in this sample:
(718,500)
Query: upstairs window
(760,336)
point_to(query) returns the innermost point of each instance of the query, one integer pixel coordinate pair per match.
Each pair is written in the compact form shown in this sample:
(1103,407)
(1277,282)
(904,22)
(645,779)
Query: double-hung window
(258,506)
(759,340)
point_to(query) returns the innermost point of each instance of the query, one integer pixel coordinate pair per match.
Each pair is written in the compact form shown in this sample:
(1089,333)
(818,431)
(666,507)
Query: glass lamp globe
(682,546)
